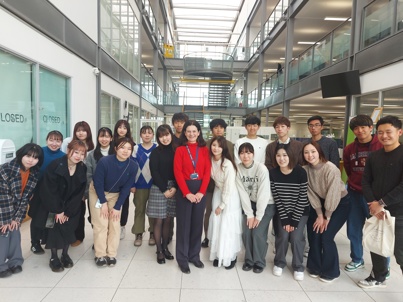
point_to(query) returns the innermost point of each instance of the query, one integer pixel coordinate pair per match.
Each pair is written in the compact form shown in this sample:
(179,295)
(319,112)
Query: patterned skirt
(159,206)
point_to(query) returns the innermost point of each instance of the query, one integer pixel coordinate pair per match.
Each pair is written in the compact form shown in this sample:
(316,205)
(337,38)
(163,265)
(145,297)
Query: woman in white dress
(225,226)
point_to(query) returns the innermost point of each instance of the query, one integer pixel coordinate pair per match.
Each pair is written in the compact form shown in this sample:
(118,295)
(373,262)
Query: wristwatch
(327,218)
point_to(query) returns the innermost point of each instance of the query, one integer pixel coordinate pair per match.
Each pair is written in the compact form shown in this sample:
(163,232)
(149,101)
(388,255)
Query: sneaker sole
(328,281)
(371,286)
(353,269)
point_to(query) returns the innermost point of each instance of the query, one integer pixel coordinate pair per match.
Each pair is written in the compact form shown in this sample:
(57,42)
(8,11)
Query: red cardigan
(183,167)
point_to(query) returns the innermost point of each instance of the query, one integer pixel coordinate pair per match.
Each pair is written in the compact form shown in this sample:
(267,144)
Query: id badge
(194,176)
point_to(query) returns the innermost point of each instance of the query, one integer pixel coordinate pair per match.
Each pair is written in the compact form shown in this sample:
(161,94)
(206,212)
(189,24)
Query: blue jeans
(323,258)
(359,212)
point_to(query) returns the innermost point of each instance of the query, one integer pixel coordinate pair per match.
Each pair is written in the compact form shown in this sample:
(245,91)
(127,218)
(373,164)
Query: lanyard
(194,162)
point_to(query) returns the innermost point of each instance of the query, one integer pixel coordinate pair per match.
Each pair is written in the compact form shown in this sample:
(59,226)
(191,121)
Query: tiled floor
(138,277)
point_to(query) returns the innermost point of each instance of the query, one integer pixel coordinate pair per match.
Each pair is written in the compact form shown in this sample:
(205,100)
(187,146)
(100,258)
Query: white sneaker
(299,276)
(277,271)
(122,232)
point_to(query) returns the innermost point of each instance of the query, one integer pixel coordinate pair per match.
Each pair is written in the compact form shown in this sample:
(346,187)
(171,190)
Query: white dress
(225,230)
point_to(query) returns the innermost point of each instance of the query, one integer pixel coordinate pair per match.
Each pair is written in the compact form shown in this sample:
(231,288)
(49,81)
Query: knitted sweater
(253,184)
(290,195)
(144,179)
(330,149)
(48,157)
(324,182)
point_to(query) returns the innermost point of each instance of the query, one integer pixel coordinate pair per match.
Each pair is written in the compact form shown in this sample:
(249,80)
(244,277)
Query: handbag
(379,235)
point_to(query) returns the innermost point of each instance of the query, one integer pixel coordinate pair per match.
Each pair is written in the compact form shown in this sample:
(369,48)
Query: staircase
(218,94)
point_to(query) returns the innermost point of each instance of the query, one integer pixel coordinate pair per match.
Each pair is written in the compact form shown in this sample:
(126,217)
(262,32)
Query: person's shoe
(205,242)
(313,274)
(37,249)
(353,266)
(6,273)
(16,269)
(185,269)
(197,263)
(233,262)
(66,261)
(76,243)
(388,274)
(101,261)
(111,261)
(122,232)
(160,257)
(246,267)
(277,271)
(55,265)
(298,276)
(151,241)
(370,282)
(167,254)
(215,263)
(139,240)
(327,280)
(257,269)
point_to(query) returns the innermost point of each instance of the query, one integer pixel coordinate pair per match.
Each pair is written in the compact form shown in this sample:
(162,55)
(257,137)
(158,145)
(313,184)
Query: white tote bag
(379,235)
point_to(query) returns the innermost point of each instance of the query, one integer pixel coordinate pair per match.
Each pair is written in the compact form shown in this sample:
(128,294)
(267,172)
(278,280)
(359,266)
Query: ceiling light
(335,19)
(307,43)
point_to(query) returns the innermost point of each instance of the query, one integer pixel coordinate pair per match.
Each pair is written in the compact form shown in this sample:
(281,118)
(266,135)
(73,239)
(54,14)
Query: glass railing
(150,14)
(378,18)
(275,16)
(329,50)
(171,98)
(208,62)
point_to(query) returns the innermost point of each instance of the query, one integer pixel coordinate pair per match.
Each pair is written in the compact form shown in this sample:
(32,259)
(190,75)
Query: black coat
(59,192)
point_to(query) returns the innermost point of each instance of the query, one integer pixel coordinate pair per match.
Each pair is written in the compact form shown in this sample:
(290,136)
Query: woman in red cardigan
(192,173)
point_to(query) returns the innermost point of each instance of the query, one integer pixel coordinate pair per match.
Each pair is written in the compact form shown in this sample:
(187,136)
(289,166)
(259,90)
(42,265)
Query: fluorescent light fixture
(306,43)
(335,19)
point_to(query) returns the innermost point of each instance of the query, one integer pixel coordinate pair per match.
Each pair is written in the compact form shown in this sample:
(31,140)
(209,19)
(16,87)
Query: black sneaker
(205,242)
(101,261)
(16,269)
(37,249)
(56,265)
(66,261)
(6,273)
(111,261)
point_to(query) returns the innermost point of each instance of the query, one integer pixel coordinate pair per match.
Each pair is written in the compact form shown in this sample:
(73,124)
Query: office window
(109,111)
(120,34)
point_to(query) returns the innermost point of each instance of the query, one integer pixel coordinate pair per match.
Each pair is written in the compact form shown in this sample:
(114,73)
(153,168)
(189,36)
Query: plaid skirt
(159,206)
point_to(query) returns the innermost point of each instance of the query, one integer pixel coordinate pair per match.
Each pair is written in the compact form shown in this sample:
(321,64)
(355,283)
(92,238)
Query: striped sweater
(290,195)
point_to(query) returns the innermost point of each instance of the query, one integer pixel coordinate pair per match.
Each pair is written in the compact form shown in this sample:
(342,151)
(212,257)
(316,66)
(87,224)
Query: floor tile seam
(240,282)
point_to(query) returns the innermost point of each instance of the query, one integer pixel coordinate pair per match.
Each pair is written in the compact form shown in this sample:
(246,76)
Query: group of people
(296,185)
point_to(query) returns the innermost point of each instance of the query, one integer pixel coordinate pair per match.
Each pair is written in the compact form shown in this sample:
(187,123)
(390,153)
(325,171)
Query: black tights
(54,251)
(161,232)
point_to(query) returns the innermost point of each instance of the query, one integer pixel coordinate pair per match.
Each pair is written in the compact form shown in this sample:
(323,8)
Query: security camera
(96,71)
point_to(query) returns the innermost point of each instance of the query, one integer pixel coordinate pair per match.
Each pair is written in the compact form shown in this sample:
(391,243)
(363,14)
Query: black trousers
(80,233)
(189,225)
(125,212)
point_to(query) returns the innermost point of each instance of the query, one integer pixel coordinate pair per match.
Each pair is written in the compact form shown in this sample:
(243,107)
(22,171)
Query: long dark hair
(183,140)
(222,142)
(163,130)
(33,150)
(84,126)
(115,131)
(97,151)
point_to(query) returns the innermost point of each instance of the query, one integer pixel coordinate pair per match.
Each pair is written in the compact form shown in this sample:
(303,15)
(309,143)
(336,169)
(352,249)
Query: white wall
(82,13)
(22,40)
(382,79)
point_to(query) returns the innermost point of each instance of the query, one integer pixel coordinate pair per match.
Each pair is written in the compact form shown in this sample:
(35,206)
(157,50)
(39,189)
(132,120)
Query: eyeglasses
(314,126)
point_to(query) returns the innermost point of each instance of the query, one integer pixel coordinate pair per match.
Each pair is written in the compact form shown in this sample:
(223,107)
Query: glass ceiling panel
(205,20)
